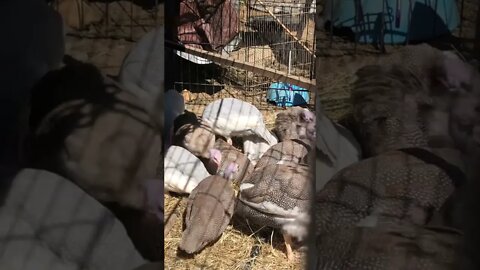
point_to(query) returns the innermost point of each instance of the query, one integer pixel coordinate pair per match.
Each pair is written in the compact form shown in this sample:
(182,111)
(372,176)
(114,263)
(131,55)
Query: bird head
(231,169)
(215,156)
(307,116)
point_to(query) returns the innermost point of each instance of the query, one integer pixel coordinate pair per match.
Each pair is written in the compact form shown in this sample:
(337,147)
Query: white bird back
(254,148)
(233,117)
(142,70)
(183,170)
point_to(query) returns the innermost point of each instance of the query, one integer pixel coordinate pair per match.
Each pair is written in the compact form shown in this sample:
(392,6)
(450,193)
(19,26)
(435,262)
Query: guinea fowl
(394,247)
(209,211)
(385,95)
(404,179)
(142,73)
(195,136)
(394,186)
(98,136)
(278,196)
(230,154)
(183,170)
(231,117)
(296,128)
(289,152)
(291,124)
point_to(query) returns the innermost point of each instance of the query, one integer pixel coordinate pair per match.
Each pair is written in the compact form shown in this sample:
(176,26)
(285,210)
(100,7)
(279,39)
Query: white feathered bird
(183,171)
(231,117)
(142,70)
(254,148)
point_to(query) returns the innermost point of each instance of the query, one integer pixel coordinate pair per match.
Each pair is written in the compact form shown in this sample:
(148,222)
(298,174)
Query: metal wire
(262,39)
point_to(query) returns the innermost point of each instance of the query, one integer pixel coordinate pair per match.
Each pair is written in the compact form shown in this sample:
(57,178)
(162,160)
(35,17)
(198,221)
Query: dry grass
(231,251)
(198,102)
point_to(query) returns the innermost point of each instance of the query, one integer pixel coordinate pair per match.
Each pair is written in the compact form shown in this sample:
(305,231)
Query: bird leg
(288,245)
(229,141)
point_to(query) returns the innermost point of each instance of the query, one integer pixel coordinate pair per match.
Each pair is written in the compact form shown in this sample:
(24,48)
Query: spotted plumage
(293,124)
(391,186)
(231,154)
(289,152)
(209,210)
(385,109)
(394,247)
(278,196)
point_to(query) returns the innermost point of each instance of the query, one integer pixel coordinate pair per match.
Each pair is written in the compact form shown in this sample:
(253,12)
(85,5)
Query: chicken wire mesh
(128,20)
(48,222)
(354,29)
(278,35)
(235,32)
(352,32)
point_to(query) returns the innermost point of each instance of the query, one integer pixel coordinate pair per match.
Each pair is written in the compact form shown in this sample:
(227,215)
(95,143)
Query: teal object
(287,95)
(426,19)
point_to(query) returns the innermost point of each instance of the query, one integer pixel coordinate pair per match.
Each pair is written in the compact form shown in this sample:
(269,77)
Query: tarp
(207,24)
(414,20)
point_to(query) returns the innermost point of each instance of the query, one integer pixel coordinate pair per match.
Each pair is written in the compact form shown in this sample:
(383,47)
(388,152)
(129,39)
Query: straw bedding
(242,246)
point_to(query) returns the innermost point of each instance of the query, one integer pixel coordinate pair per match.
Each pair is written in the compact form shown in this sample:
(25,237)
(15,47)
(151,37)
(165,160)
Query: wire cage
(237,49)
(110,18)
(102,32)
(351,34)
(48,221)
(276,35)
(367,29)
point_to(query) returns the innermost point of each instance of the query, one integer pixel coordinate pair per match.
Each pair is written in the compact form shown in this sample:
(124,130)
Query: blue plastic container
(287,95)
(428,19)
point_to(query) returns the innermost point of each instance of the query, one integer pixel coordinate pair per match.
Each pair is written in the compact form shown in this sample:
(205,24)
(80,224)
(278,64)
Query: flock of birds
(409,201)
(275,182)
(396,188)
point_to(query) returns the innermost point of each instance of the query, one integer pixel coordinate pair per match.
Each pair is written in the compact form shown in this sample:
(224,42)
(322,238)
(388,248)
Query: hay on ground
(233,249)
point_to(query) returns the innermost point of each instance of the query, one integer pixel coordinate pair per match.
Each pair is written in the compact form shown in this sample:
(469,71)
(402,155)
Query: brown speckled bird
(99,136)
(394,186)
(195,137)
(289,152)
(230,154)
(393,247)
(292,123)
(209,210)
(278,196)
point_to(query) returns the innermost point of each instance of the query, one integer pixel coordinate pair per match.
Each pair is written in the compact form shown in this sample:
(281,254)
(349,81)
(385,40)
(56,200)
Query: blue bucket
(426,19)
(287,95)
